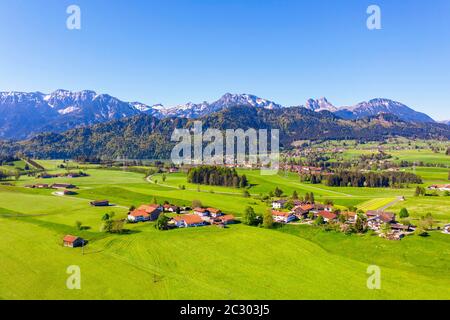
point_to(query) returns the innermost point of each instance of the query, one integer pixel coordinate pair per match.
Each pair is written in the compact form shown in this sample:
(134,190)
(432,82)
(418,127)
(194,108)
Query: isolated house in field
(214,212)
(327,216)
(188,221)
(283,217)
(72,241)
(100,203)
(278,204)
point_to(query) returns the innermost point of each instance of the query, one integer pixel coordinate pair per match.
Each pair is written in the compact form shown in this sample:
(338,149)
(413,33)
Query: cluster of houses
(307,211)
(301,210)
(184,217)
(440,187)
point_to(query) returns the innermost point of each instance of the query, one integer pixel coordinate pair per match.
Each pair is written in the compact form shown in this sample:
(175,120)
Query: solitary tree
(196,204)
(268,220)
(162,222)
(295,195)
(249,217)
(278,192)
(404,213)
(78,225)
(319,221)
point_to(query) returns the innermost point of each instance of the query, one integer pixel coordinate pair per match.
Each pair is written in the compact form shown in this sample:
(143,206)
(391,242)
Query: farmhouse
(138,216)
(100,203)
(300,213)
(72,241)
(65,193)
(170,208)
(377,218)
(283,217)
(63,186)
(327,216)
(440,187)
(146,212)
(446,229)
(350,216)
(188,221)
(38,186)
(278,204)
(214,212)
(226,219)
(202,212)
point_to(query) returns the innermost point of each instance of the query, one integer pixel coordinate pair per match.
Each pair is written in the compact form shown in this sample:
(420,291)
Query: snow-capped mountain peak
(320,105)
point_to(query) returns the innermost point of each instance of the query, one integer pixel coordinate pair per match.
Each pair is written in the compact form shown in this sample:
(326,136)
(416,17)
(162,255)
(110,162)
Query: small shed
(100,203)
(73,241)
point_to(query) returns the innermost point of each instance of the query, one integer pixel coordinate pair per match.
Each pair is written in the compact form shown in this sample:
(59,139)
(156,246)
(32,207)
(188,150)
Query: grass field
(240,262)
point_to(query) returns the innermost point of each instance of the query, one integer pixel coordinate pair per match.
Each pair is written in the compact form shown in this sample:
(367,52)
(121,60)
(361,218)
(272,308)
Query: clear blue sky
(172,52)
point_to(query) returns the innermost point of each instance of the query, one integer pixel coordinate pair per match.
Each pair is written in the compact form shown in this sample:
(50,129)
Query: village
(283,211)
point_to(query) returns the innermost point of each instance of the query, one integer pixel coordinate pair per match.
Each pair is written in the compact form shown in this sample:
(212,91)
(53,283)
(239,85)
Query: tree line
(371,179)
(217,176)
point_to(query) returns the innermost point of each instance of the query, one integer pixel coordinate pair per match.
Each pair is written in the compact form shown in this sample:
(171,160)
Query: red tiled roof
(327,215)
(139,213)
(149,208)
(200,210)
(189,219)
(307,207)
(70,238)
(349,214)
(281,214)
(213,210)
(228,217)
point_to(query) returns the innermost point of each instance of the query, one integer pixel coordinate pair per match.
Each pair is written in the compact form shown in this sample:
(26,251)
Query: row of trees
(217,176)
(371,179)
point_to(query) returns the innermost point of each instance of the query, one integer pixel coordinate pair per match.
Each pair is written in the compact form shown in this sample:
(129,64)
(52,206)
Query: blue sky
(175,51)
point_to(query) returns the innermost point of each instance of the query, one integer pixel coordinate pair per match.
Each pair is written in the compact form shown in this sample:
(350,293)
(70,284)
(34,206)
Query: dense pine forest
(371,179)
(217,176)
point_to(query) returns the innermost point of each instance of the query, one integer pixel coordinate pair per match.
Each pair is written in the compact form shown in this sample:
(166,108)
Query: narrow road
(391,204)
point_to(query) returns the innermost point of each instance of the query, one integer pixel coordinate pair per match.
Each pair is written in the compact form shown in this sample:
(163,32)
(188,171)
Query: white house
(188,221)
(283,217)
(446,229)
(278,204)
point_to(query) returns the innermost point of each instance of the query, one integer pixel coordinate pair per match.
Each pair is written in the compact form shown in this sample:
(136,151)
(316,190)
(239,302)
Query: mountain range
(24,115)
(148,137)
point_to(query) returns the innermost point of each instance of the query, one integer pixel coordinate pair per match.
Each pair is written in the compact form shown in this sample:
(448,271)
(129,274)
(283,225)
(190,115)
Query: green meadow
(239,262)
